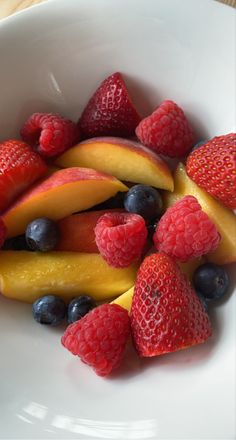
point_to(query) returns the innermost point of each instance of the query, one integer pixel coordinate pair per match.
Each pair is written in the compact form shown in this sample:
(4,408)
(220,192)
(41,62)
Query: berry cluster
(52,310)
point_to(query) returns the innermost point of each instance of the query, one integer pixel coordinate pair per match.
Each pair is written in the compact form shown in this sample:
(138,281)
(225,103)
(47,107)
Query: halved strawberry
(166,313)
(213,167)
(110,111)
(20,166)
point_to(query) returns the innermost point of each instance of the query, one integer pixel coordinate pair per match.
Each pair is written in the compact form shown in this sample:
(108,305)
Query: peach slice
(26,276)
(125,159)
(223,218)
(61,194)
(77,231)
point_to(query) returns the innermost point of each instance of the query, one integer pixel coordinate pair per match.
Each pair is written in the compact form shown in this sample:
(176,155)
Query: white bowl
(52,57)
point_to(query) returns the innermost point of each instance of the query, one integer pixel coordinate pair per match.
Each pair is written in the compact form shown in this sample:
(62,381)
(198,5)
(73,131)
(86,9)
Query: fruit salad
(99,234)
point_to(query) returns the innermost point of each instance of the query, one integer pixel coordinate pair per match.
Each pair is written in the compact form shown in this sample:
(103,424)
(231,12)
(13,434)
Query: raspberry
(50,134)
(185,231)
(217,158)
(99,338)
(166,313)
(166,130)
(3,232)
(120,238)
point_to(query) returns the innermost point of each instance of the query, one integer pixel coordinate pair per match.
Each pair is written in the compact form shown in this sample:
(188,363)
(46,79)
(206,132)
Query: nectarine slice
(77,231)
(61,194)
(125,159)
(223,218)
(26,276)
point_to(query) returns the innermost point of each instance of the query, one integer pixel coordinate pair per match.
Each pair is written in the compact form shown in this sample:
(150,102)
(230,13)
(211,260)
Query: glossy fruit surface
(79,307)
(166,313)
(42,234)
(145,201)
(20,167)
(110,110)
(213,167)
(211,280)
(49,310)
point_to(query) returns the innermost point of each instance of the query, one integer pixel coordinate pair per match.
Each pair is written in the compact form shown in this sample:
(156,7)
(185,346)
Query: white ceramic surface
(52,57)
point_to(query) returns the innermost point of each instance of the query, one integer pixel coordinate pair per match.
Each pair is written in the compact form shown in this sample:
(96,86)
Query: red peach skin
(125,159)
(61,194)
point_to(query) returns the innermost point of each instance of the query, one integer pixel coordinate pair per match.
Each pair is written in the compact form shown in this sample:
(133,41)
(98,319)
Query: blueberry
(49,309)
(17,243)
(79,307)
(42,234)
(145,201)
(199,144)
(211,281)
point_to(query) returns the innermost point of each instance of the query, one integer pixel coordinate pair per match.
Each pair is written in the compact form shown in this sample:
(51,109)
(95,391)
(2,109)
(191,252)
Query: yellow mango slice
(26,276)
(223,218)
(190,266)
(125,300)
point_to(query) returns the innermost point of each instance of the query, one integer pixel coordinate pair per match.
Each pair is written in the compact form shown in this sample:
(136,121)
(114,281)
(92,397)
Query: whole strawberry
(100,337)
(166,313)
(110,111)
(20,166)
(185,231)
(49,133)
(213,167)
(166,130)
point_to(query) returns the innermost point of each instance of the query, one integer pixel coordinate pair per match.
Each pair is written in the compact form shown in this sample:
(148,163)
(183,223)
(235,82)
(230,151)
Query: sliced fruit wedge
(76,232)
(26,276)
(61,194)
(125,159)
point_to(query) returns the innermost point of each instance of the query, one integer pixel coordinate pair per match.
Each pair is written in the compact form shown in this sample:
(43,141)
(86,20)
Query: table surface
(8,7)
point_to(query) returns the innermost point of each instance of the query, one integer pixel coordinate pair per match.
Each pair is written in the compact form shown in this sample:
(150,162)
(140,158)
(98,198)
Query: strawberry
(20,166)
(166,313)
(213,167)
(110,111)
